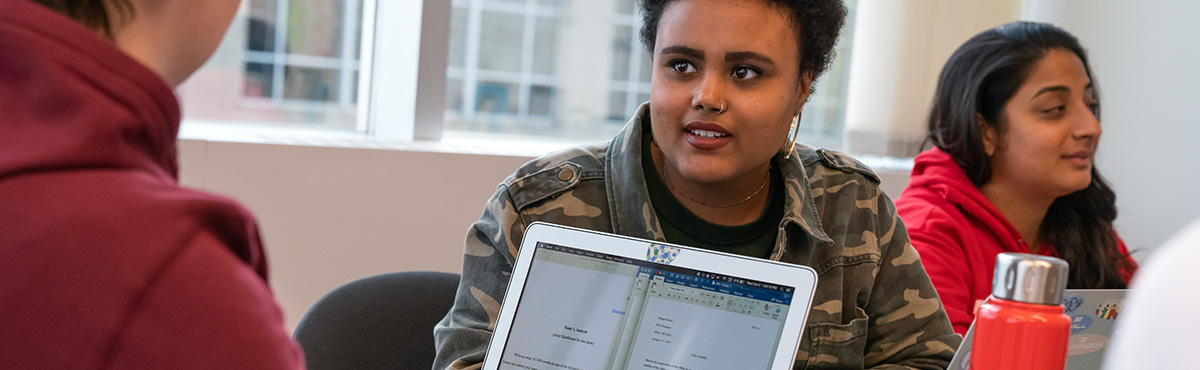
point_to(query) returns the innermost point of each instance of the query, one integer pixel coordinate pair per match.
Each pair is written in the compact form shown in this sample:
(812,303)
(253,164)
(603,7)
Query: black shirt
(681,226)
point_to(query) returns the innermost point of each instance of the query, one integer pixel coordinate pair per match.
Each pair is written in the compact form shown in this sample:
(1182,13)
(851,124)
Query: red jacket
(958,234)
(105,261)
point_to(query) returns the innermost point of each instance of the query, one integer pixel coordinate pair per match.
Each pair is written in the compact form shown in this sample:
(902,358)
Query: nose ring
(722,110)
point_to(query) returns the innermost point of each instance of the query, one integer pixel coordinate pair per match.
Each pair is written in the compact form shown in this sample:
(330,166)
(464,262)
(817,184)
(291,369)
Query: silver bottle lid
(1029,278)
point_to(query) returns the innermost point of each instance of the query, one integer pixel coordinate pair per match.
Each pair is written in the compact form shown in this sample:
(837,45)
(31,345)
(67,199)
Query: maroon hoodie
(958,233)
(105,261)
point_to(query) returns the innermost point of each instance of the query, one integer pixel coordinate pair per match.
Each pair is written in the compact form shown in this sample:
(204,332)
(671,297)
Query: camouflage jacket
(874,306)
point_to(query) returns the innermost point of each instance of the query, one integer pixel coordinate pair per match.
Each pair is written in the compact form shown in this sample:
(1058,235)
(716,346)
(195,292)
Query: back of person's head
(976,83)
(171,37)
(95,14)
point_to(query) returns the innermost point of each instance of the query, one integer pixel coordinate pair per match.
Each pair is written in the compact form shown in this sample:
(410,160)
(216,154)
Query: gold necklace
(706,204)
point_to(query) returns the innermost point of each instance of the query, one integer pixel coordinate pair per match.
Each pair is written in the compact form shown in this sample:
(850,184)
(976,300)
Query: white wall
(1144,55)
(898,52)
(331,215)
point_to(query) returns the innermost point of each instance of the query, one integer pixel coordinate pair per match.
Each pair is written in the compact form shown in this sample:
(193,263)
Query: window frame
(404,101)
(280,59)
(470,75)
(632,85)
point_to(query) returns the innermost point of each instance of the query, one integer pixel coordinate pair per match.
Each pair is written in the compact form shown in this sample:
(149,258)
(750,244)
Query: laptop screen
(587,310)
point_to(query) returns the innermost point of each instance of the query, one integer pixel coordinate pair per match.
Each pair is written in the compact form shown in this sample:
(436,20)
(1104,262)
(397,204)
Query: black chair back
(380,322)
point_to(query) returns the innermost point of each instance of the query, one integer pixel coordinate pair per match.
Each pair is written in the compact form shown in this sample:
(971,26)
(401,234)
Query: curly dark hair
(978,80)
(818,24)
(92,13)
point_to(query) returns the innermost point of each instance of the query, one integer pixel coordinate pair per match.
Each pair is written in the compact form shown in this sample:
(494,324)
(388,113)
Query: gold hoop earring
(788,149)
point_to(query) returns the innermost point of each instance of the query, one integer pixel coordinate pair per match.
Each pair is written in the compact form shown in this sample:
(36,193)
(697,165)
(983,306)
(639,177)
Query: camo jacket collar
(631,213)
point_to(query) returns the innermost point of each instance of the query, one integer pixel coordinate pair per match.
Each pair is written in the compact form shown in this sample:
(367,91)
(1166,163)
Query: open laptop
(581,299)
(1093,315)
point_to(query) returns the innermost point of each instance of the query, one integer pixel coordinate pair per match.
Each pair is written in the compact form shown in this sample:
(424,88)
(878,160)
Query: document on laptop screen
(583,310)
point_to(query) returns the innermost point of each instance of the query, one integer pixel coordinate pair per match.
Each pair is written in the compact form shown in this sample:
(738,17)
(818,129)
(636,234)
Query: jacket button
(566,174)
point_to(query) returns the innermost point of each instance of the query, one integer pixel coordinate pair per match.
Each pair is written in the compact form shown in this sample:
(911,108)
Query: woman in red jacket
(1015,124)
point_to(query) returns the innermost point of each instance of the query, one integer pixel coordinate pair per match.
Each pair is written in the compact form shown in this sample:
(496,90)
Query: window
(284,62)
(570,69)
(500,74)
(825,113)
(491,86)
(630,84)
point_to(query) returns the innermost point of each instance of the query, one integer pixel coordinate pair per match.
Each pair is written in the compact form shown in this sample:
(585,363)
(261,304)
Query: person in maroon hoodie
(105,261)
(1015,124)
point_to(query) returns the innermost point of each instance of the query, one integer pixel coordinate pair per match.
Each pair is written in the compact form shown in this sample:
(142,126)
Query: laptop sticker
(1079,323)
(1086,343)
(1110,309)
(1072,303)
(661,253)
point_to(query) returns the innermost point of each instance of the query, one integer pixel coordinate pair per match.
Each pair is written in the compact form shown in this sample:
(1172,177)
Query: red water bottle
(1022,325)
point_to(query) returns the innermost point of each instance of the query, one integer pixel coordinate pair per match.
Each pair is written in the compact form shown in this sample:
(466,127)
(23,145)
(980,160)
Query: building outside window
(283,62)
(569,69)
(630,83)
(500,74)
(524,38)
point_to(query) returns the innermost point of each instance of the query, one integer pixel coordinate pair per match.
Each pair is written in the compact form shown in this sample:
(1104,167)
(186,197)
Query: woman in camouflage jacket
(696,159)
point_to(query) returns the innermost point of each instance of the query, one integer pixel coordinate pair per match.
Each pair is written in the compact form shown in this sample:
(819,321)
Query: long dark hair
(92,13)
(978,80)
